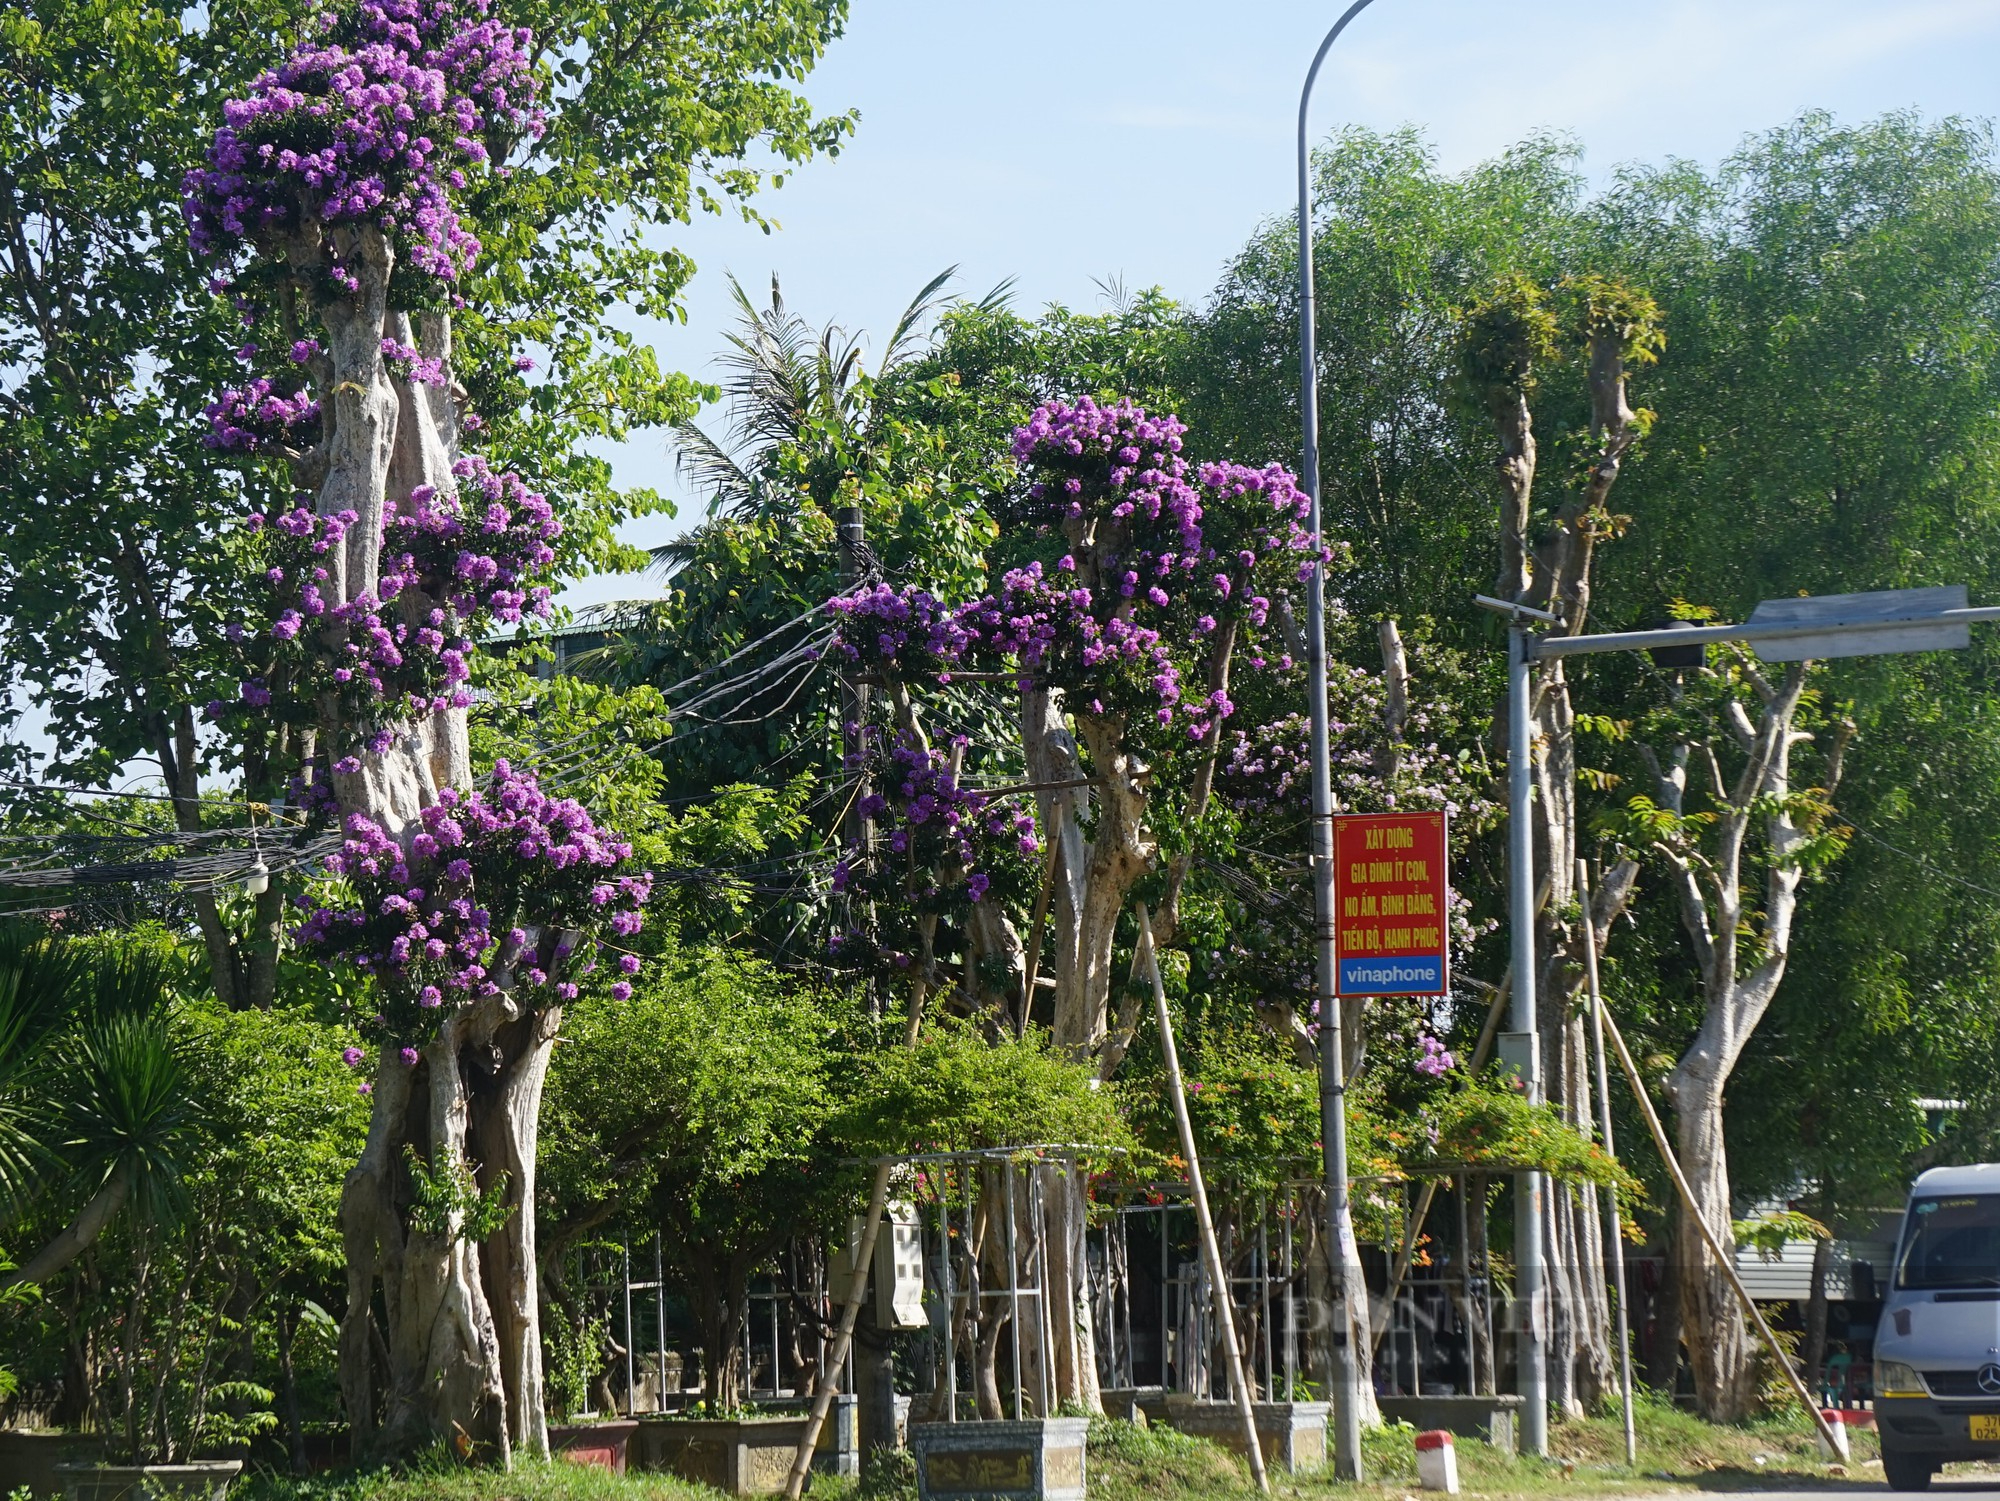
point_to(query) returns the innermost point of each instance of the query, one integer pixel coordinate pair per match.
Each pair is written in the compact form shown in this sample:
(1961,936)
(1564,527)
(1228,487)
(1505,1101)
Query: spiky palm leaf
(106,1097)
(39,987)
(131,1114)
(779,377)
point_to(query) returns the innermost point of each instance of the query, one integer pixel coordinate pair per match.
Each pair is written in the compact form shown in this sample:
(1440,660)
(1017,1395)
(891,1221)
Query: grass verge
(1677,1452)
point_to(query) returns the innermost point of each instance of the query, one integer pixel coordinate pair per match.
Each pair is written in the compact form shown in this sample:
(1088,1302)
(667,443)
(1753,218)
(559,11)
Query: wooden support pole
(1701,1224)
(828,1382)
(1614,1246)
(1218,1274)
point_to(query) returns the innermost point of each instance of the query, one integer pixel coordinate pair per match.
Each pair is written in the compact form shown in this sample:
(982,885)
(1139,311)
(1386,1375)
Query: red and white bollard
(1836,1420)
(1437,1462)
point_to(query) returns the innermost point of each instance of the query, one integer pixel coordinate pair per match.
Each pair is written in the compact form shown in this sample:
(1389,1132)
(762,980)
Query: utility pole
(853,721)
(1332,1054)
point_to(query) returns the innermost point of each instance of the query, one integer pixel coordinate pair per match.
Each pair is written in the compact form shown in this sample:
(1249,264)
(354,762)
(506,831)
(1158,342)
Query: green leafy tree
(700,1107)
(96,1112)
(202,1327)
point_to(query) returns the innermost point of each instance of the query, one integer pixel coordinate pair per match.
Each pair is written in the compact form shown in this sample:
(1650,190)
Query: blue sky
(1059,143)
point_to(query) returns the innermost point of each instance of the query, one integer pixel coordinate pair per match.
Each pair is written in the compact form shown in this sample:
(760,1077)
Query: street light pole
(1789,630)
(1332,1059)
(1530,1363)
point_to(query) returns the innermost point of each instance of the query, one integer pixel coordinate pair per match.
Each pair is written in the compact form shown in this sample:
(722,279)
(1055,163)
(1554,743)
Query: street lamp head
(1513,611)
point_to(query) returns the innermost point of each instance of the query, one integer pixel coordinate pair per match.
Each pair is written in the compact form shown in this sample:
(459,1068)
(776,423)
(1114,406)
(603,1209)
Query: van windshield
(1953,1241)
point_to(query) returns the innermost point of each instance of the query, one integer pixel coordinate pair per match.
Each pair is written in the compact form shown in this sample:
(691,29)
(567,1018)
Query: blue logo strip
(1421,974)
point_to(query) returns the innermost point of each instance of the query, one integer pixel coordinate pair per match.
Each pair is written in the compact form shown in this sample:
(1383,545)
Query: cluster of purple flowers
(452,562)
(257,419)
(378,122)
(413,364)
(936,841)
(1088,456)
(1155,561)
(437,922)
(476,547)
(1434,1060)
(908,627)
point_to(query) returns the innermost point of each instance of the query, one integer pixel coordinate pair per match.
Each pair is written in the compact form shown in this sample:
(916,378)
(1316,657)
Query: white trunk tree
(332,188)
(1737,849)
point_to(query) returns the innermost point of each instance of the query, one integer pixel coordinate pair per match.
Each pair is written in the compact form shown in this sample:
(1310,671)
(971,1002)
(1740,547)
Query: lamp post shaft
(1332,1059)
(1529,1357)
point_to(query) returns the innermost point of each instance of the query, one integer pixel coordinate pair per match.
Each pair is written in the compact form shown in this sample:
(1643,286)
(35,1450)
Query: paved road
(1980,1485)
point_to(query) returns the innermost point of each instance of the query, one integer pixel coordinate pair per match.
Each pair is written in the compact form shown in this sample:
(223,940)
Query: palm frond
(40,988)
(923,307)
(999,297)
(769,371)
(712,471)
(39,978)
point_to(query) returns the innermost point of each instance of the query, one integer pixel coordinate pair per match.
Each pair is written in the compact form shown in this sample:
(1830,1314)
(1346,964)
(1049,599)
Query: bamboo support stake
(829,1368)
(1614,1231)
(827,1382)
(1218,1274)
(1037,927)
(1701,1224)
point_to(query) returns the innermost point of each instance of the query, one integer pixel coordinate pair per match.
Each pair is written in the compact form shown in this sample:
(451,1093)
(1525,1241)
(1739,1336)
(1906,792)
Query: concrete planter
(1037,1459)
(741,1456)
(1291,1434)
(29,1459)
(203,1480)
(839,1450)
(1490,1419)
(1136,1404)
(603,1445)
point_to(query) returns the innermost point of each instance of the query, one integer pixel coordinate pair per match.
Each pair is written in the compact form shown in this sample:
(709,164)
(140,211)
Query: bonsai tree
(1141,583)
(331,199)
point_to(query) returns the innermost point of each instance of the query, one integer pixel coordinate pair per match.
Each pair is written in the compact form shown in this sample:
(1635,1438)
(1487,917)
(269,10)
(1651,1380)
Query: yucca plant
(94,1107)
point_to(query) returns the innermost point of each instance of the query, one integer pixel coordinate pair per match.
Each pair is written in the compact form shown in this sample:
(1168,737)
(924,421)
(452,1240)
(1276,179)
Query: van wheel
(1907,1472)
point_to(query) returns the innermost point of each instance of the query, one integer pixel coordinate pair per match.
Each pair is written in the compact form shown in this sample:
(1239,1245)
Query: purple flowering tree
(330,194)
(1152,583)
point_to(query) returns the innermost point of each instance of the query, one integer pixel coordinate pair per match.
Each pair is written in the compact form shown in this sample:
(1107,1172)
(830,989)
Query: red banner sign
(1390,883)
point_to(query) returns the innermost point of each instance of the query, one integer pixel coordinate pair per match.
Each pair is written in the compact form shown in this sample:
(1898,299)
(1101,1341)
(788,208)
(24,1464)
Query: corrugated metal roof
(1790,1275)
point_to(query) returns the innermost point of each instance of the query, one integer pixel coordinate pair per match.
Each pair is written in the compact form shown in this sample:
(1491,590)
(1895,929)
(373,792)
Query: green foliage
(959,1090)
(1490,1121)
(1173,1463)
(173,1319)
(570,1359)
(448,1203)
(1769,1234)
(1508,332)
(710,1087)
(1626,318)
(1255,1113)
(1401,250)
(700,1106)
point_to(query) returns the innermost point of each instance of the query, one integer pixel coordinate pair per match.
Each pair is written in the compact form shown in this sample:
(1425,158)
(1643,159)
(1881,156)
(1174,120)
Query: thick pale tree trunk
(1712,1326)
(441,1337)
(1092,879)
(1553,572)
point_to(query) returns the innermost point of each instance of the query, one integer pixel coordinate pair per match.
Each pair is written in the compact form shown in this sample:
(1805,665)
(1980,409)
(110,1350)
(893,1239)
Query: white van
(1937,1350)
